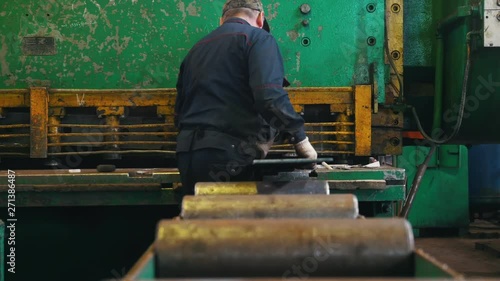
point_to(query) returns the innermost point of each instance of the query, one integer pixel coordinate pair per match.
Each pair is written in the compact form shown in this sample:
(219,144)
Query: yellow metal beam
(395,20)
(363,120)
(39,111)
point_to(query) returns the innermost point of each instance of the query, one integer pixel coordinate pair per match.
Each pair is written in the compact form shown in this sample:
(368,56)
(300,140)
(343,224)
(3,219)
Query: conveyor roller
(283,248)
(269,206)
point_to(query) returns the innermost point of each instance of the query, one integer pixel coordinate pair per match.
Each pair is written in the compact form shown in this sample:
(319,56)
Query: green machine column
(442,200)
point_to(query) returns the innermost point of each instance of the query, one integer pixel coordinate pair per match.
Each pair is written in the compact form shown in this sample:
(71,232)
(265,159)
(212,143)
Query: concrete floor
(461,254)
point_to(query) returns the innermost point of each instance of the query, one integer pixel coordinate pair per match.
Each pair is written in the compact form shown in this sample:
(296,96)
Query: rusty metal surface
(329,138)
(91,180)
(53,130)
(358,184)
(39,110)
(388,118)
(363,114)
(395,19)
(274,248)
(253,188)
(387,141)
(159,97)
(270,206)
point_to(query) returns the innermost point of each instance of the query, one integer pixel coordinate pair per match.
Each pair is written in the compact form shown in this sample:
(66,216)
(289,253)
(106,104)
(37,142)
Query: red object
(413,135)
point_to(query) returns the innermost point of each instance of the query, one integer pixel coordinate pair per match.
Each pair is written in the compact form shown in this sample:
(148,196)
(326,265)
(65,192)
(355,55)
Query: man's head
(250,10)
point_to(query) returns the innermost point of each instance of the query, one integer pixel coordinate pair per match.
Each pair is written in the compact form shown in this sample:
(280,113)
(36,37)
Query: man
(231,102)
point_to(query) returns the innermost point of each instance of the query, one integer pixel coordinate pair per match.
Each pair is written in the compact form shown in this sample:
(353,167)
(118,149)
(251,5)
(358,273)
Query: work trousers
(212,165)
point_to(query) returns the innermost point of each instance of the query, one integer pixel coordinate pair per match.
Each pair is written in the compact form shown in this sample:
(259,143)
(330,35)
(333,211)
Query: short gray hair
(245,11)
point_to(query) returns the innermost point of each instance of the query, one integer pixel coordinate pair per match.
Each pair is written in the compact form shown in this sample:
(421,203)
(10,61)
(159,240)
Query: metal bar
(327,90)
(14,145)
(4,136)
(15,98)
(85,187)
(14,126)
(112,121)
(39,114)
(320,97)
(254,188)
(111,151)
(159,97)
(54,130)
(416,183)
(115,142)
(269,206)
(342,117)
(358,184)
(92,176)
(395,39)
(316,142)
(331,142)
(115,134)
(273,248)
(322,151)
(328,133)
(363,119)
(112,98)
(13,154)
(329,124)
(140,126)
(290,161)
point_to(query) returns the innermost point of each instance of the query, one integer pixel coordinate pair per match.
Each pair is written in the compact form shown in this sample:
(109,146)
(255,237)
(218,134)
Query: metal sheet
(284,248)
(270,206)
(252,188)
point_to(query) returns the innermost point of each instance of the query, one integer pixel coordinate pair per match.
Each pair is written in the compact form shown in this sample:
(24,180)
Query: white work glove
(304,149)
(265,147)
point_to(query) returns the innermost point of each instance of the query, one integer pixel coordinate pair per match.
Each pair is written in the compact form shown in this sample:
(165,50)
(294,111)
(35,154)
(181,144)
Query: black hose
(461,112)
(416,183)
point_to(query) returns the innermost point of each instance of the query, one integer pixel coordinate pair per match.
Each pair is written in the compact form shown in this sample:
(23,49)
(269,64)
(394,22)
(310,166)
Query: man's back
(224,74)
(229,94)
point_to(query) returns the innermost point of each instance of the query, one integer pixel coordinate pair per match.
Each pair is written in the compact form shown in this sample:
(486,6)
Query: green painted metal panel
(140,44)
(425,268)
(147,272)
(393,193)
(479,122)
(419,33)
(363,174)
(442,200)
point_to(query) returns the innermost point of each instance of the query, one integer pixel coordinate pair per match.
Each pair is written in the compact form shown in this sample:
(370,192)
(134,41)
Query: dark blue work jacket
(230,85)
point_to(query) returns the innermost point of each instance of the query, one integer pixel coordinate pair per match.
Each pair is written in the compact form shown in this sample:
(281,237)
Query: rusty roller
(269,206)
(284,248)
(253,188)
